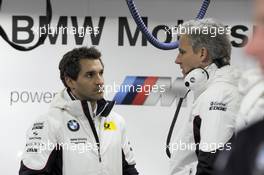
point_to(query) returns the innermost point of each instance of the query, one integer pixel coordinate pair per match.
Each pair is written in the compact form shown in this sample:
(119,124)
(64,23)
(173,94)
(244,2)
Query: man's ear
(204,55)
(70,82)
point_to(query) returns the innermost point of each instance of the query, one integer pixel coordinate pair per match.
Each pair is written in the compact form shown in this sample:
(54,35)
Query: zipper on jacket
(99,154)
(87,113)
(99,145)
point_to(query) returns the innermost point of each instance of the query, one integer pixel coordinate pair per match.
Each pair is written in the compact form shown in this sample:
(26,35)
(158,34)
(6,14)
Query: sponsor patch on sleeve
(110,126)
(217,106)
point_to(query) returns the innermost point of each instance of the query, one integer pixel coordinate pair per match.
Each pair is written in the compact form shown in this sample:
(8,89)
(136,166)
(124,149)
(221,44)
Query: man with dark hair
(69,65)
(80,134)
(204,58)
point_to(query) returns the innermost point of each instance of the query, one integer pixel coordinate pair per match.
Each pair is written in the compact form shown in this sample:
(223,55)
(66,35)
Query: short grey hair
(218,45)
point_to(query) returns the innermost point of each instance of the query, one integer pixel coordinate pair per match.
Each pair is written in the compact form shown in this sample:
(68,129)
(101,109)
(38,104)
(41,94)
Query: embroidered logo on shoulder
(217,106)
(110,126)
(73,125)
(38,125)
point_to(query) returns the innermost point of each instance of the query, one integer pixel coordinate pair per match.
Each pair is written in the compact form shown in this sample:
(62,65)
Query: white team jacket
(215,105)
(251,85)
(62,141)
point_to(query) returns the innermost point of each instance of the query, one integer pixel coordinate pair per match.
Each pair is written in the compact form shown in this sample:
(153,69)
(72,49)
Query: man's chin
(184,74)
(99,96)
(96,97)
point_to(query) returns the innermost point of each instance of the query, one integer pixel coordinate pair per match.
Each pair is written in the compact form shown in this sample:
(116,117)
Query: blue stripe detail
(120,96)
(139,82)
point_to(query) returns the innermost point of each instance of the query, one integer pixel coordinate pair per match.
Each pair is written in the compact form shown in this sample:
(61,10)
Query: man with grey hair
(204,50)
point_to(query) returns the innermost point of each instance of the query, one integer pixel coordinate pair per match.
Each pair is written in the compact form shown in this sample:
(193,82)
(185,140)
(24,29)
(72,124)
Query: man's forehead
(184,41)
(184,37)
(90,61)
(91,64)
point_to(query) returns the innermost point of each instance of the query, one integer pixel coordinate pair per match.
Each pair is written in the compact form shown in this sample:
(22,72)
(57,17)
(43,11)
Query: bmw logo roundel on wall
(73,125)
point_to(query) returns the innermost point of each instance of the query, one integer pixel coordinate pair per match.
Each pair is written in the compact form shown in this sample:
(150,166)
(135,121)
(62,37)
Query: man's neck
(93,103)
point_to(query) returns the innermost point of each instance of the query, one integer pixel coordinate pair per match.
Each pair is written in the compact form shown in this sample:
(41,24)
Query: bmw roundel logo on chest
(73,125)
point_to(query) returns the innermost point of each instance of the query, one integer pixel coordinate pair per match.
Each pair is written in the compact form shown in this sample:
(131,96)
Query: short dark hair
(70,62)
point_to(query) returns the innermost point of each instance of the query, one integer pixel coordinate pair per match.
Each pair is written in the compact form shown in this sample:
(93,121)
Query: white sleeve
(126,147)
(218,115)
(40,143)
(251,108)
(183,158)
(128,159)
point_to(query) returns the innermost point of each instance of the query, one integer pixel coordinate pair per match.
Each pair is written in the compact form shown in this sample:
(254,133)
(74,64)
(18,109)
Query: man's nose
(178,60)
(99,79)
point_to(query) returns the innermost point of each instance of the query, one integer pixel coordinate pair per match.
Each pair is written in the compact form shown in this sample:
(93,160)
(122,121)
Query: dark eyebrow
(181,50)
(93,71)
(89,72)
